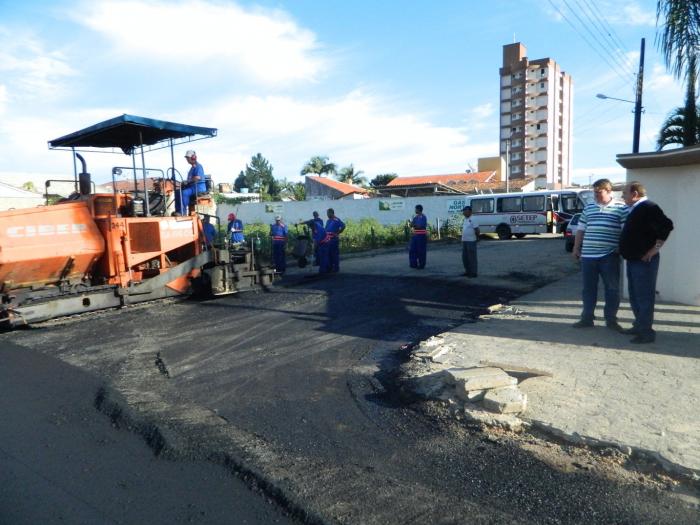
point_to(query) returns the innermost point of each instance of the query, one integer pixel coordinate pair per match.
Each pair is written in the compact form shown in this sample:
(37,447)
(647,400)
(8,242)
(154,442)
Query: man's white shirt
(468,229)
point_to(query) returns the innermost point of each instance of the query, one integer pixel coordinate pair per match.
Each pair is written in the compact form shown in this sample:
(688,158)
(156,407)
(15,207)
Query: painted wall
(10,203)
(385,211)
(676,190)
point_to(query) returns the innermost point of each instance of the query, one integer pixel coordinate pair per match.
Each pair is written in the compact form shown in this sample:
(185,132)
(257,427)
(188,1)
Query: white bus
(520,214)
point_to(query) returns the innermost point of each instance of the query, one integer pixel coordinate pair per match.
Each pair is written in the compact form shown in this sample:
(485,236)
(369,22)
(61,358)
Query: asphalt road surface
(284,406)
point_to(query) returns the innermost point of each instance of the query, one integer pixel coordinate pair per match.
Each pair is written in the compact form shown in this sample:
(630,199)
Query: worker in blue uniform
(317,220)
(195,183)
(321,241)
(418,248)
(235,229)
(278,233)
(209,231)
(334,227)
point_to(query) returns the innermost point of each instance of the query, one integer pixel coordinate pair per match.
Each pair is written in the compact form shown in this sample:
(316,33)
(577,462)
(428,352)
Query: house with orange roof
(325,188)
(453,183)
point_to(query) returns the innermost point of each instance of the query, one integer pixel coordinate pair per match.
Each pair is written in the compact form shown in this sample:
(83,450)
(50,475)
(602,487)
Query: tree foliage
(682,126)
(258,177)
(349,175)
(382,179)
(319,166)
(679,41)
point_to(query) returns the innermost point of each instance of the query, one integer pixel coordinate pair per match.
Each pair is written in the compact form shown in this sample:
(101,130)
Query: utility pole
(507,165)
(638,102)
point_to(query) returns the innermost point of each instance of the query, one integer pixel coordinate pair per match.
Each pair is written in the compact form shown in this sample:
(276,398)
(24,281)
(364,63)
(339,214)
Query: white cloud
(357,128)
(632,14)
(267,45)
(583,175)
(29,70)
(3,98)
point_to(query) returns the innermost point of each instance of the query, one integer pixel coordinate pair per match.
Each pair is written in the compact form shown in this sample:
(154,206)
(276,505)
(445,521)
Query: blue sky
(410,87)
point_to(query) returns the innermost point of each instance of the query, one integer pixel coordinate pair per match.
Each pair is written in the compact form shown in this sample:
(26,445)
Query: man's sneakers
(639,339)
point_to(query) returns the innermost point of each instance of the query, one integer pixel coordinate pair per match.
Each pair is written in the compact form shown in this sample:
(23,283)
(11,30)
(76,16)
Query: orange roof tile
(342,187)
(481,176)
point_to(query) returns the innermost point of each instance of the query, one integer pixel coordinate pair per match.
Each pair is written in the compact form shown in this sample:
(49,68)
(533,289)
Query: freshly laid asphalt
(290,396)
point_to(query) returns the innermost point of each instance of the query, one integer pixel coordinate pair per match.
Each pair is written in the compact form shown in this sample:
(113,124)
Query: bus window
(509,204)
(533,203)
(482,205)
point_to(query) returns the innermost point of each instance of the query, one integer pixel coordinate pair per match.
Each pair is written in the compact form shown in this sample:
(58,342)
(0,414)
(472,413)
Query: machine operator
(194,184)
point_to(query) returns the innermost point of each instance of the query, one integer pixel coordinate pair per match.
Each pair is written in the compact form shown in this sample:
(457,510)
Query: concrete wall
(676,190)
(10,203)
(399,210)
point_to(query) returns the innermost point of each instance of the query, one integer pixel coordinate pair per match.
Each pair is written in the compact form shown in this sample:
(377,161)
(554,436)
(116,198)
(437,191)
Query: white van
(520,214)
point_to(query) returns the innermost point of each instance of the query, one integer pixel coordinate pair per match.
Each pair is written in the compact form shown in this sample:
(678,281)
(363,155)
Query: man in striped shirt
(596,246)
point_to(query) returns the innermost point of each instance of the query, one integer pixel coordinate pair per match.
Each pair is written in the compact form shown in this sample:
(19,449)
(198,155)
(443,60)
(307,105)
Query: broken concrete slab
(477,414)
(480,378)
(471,396)
(507,400)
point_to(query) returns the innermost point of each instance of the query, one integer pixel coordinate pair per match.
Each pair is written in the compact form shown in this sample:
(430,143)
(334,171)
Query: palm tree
(680,37)
(682,126)
(348,175)
(319,166)
(680,44)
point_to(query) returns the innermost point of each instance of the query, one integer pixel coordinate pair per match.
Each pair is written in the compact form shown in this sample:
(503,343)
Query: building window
(542,84)
(538,126)
(542,72)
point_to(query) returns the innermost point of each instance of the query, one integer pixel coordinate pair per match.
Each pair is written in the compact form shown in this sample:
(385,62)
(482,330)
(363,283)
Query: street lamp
(600,95)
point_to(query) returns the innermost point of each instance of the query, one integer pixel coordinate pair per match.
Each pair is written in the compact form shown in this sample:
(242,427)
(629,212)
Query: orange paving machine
(102,250)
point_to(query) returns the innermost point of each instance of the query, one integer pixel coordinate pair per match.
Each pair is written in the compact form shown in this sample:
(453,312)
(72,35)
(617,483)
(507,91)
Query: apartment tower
(536,118)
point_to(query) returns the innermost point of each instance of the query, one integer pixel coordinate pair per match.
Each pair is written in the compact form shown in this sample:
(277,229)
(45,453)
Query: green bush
(365,234)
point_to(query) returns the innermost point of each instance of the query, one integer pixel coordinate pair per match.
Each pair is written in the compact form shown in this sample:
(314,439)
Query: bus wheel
(519,235)
(503,232)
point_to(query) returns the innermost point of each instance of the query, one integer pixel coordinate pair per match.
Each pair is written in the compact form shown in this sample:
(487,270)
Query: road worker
(195,183)
(235,229)
(334,227)
(418,247)
(209,231)
(321,242)
(318,220)
(278,233)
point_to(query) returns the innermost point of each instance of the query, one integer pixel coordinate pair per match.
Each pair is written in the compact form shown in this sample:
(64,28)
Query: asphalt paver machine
(93,251)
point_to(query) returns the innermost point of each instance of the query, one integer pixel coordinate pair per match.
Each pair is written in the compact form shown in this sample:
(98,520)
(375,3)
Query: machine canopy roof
(129,132)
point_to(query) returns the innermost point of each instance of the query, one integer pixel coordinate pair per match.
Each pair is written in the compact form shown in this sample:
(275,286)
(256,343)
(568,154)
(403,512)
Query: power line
(613,57)
(610,30)
(614,68)
(599,25)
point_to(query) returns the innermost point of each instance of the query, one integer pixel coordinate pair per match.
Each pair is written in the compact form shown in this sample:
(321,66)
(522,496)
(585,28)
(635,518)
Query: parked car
(570,233)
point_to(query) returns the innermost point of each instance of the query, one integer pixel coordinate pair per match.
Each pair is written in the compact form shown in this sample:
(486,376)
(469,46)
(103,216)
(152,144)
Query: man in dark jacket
(643,235)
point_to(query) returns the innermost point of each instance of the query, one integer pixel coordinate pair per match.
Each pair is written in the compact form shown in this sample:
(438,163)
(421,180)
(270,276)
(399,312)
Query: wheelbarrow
(302,247)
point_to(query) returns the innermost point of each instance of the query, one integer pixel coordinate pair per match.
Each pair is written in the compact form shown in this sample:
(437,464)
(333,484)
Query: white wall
(292,212)
(676,190)
(10,203)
